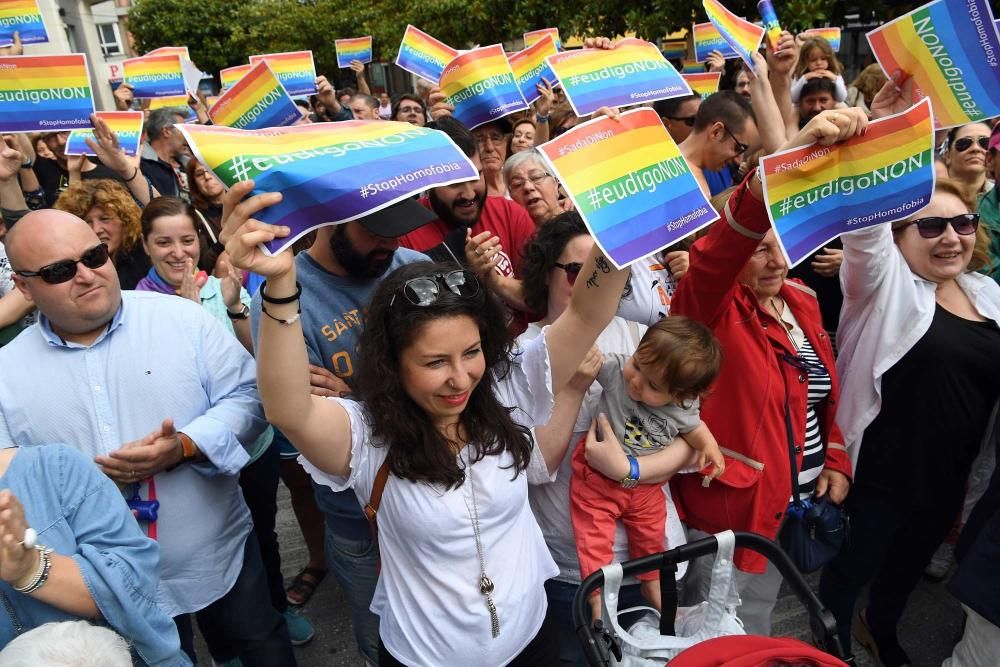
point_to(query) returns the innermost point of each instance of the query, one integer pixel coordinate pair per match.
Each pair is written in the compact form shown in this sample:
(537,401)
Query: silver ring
(479,252)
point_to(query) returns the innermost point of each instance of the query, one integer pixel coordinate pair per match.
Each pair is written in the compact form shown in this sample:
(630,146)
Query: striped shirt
(814,449)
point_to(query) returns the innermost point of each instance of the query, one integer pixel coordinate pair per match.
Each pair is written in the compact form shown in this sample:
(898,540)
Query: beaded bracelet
(41,574)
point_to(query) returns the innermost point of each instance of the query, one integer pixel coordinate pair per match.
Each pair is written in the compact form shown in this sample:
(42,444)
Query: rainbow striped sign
(535,36)
(156,76)
(421,54)
(631,73)
(707,38)
(772,28)
(256,102)
(674,50)
(831,35)
(296,70)
(481,85)
(530,68)
(703,83)
(181,102)
(630,183)
(694,67)
(229,76)
(44,93)
(354,48)
(816,193)
(181,51)
(952,51)
(127,125)
(23,17)
(330,173)
(744,37)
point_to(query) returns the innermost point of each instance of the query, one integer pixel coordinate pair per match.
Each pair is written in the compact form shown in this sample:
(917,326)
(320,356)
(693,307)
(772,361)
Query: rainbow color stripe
(255,102)
(633,72)
(178,102)
(330,173)
(953,58)
(354,48)
(703,83)
(707,38)
(693,67)
(674,50)
(23,17)
(421,54)
(744,37)
(229,76)
(155,76)
(45,93)
(816,193)
(296,70)
(772,28)
(127,125)
(831,35)
(630,183)
(481,86)
(181,51)
(533,37)
(529,67)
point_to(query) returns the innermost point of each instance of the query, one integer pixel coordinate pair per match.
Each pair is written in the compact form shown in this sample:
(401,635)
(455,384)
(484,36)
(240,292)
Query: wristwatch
(631,480)
(242,315)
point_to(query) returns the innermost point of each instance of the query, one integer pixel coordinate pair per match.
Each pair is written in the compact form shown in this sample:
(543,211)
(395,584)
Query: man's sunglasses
(740,147)
(426,290)
(687,120)
(65,269)
(965,143)
(572,270)
(931,228)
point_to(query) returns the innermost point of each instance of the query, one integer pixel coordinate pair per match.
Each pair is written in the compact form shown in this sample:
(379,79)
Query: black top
(132,266)
(54,179)
(828,293)
(936,402)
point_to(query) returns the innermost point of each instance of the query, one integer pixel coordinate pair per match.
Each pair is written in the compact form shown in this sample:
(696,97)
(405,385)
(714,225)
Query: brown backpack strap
(371,509)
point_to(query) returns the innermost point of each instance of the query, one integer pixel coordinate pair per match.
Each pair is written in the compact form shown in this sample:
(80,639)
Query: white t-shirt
(427,598)
(652,290)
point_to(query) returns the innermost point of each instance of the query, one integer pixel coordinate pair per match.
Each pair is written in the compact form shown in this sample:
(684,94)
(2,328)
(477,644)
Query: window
(110,40)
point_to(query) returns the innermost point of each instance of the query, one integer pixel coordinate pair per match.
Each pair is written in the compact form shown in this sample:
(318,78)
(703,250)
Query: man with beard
(817,95)
(337,275)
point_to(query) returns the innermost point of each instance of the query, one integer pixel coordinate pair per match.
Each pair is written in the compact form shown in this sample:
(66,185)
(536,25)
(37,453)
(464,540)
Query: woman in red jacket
(776,353)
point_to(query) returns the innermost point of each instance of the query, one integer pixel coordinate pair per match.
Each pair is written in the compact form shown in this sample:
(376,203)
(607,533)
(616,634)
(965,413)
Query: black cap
(398,219)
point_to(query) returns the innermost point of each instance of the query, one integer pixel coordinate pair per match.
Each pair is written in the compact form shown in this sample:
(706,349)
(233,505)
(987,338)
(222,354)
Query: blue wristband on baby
(632,479)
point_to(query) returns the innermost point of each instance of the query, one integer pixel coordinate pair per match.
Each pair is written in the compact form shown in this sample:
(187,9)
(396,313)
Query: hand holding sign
(244,235)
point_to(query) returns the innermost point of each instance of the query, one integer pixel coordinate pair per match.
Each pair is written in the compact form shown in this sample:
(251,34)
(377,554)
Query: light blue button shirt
(160,357)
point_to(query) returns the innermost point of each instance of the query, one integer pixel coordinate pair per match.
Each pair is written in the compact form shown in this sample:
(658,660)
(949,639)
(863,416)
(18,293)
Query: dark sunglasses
(740,147)
(425,290)
(65,269)
(931,228)
(572,270)
(965,143)
(808,366)
(687,120)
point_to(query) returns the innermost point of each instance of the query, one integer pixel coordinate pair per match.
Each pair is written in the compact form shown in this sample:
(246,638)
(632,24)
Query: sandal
(885,656)
(301,589)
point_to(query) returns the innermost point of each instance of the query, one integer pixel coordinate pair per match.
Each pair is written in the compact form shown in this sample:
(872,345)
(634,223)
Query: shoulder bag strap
(371,508)
(791,449)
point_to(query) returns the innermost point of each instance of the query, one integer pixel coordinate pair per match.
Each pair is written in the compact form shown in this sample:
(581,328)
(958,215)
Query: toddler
(817,60)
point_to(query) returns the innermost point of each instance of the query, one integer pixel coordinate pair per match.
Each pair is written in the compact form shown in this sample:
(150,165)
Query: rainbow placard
(744,37)
(182,102)
(45,93)
(631,73)
(354,48)
(703,83)
(674,50)
(772,28)
(535,36)
(630,183)
(181,51)
(952,51)
(694,67)
(24,17)
(832,35)
(255,102)
(481,86)
(158,76)
(127,125)
(421,54)
(707,38)
(229,76)
(296,70)
(816,193)
(330,173)
(529,67)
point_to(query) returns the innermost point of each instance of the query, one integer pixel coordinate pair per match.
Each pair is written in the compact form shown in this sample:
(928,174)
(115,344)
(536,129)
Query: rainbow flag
(24,17)
(229,76)
(630,183)
(181,102)
(744,37)
(295,70)
(772,29)
(952,51)
(693,67)
(181,51)
(816,193)
(421,54)
(535,36)
(156,76)
(355,48)
(127,125)
(632,73)
(703,83)
(530,68)
(330,173)
(45,93)
(255,102)
(674,50)
(707,38)
(481,85)
(832,35)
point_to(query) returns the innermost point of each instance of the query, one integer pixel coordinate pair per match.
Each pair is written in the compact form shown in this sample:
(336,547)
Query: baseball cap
(995,138)
(399,219)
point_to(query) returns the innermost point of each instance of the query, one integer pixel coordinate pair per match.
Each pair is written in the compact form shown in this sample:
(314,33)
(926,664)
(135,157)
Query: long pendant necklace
(485,583)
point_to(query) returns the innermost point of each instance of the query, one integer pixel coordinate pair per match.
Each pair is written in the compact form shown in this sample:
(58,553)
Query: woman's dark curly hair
(540,255)
(418,452)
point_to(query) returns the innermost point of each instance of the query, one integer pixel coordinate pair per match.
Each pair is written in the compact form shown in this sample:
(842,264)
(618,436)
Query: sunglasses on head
(687,120)
(65,269)
(931,228)
(965,143)
(425,290)
(572,270)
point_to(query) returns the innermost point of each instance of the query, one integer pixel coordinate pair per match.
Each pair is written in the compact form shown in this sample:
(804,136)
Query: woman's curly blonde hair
(109,196)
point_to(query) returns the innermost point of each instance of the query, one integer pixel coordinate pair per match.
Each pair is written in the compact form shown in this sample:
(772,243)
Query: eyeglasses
(65,269)
(572,270)
(740,147)
(965,143)
(810,367)
(687,120)
(495,137)
(425,290)
(931,228)
(537,177)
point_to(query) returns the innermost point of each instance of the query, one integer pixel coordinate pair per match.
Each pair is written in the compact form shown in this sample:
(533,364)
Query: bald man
(163,399)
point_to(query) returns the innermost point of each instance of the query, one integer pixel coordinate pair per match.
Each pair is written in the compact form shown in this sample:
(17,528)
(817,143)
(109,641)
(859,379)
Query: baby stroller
(696,640)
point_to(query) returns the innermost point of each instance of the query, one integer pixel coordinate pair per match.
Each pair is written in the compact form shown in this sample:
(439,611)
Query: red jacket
(746,407)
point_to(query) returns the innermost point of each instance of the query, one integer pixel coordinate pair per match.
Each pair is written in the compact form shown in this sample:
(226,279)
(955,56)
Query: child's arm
(840,94)
(606,456)
(796,88)
(703,442)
